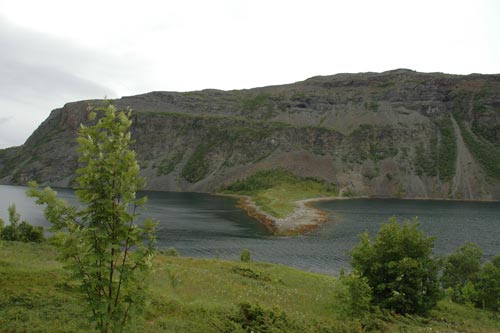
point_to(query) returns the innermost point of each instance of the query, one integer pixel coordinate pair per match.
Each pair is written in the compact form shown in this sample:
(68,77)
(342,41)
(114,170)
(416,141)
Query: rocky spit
(305,217)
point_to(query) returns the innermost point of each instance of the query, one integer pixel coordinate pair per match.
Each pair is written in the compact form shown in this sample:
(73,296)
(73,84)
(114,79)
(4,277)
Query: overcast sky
(53,52)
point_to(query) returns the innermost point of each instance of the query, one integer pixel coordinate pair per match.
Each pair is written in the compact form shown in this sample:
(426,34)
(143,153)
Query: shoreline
(304,218)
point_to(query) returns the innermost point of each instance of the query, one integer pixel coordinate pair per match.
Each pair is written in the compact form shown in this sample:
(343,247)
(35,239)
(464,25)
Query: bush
(461,267)
(359,295)
(254,318)
(487,288)
(21,232)
(245,255)
(399,267)
(172,252)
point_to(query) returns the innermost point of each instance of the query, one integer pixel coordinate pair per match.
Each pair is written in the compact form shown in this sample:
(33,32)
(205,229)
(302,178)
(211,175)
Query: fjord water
(203,225)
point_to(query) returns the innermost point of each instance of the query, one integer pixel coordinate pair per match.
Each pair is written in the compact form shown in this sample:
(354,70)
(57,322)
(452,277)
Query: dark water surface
(202,225)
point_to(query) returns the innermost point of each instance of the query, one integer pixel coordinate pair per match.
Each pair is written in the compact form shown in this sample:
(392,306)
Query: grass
(447,151)
(439,158)
(204,295)
(276,191)
(167,165)
(486,153)
(280,201)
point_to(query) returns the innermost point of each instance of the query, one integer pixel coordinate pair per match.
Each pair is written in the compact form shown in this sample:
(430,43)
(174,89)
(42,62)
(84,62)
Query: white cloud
(131,47)
(38,74)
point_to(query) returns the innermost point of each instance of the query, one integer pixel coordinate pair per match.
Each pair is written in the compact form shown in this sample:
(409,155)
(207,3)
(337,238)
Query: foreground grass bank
(200,295)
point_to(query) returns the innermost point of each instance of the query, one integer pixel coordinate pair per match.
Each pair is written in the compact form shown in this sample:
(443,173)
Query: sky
(54,52)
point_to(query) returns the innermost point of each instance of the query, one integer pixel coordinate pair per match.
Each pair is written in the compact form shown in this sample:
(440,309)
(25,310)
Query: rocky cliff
(394,134)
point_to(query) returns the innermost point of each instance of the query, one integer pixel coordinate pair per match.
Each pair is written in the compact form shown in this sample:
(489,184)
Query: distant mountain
(394,134)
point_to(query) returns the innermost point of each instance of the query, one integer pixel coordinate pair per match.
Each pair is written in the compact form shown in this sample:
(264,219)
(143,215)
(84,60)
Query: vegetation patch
(447,151)
(370,142)
(372,106)
(258,102)
(487,154)
(276,191)
(251,274)
(378,152)
(426,160)
(8,160)
(210,297)
(488,132)
(439,159)
(19,230)
(167,165)
(197,166)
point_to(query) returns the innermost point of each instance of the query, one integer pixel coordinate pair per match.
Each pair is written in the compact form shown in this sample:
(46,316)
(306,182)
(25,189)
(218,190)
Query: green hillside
(207,295)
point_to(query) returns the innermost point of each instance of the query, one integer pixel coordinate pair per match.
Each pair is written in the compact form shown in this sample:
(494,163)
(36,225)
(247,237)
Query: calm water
(202,225)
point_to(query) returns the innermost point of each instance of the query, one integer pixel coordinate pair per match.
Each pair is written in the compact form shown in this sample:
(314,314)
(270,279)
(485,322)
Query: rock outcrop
(394,134)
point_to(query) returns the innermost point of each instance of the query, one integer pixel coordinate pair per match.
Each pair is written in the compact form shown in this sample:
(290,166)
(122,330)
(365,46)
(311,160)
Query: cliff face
(398,134)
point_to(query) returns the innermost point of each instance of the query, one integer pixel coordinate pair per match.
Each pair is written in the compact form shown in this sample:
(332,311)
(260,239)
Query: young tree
(461,267)
(358,294)
(101,243)
(487,287)
(11,232)
(399,267)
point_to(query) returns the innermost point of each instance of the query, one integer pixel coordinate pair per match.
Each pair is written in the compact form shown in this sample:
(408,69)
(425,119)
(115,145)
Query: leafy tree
(21,232)
(460,268)
(11,232)
(399,267)
(100,241)
(359,295)
(487,287)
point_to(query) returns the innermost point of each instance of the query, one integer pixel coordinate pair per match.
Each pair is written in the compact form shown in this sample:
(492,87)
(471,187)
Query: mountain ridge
(398,133)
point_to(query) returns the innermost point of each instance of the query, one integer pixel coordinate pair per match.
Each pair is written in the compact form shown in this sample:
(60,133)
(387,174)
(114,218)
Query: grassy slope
(195,295)
(276,191)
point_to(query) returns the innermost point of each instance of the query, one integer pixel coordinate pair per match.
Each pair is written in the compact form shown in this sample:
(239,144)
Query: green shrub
(20,231)
(487,287)
(172,252)
(460,268)
(399,267)
(245,255)
(358,294)
(29,233)
(254,318)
